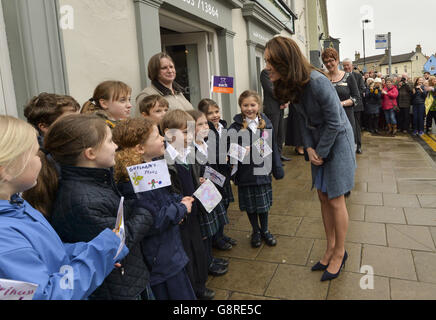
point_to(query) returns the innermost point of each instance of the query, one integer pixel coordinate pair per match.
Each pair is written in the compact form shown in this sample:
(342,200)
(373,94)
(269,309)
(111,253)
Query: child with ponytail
(87,199)
(30,249)
(253,176)
(139,142)
(111,101)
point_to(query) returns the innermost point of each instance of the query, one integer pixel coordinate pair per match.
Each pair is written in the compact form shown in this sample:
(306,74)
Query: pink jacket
(390,99)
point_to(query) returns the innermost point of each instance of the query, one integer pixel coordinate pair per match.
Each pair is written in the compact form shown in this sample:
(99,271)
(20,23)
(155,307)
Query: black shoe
(319,267)
(269,239)
(221,262)
(359,150)
(217,270)
(222,245)
(208,294)
(283,158)
(256,240)
(233,242)
(330,276)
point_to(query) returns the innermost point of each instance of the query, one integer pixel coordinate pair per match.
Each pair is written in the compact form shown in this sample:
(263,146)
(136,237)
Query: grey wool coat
(325,127)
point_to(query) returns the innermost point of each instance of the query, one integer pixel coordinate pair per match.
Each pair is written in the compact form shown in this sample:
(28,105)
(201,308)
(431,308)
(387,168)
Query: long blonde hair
(17,138)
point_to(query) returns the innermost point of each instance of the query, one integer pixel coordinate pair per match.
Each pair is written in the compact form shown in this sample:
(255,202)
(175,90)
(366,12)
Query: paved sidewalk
(392,228)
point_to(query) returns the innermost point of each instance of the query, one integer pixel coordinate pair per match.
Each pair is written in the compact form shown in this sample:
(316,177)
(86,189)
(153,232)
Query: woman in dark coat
(328,141)
(373,97)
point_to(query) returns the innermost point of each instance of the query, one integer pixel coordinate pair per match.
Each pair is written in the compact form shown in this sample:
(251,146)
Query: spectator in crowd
(404,102)
(389,105)
(373,97)
(432,109)
(418,101)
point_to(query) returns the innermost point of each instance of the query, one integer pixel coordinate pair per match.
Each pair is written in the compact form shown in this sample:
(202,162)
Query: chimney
(357,55)
(418,49)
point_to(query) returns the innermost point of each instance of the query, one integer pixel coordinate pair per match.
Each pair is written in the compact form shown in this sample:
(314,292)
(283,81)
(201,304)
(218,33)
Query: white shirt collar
(173,153)
(220,129)
(202,147)
(253,124)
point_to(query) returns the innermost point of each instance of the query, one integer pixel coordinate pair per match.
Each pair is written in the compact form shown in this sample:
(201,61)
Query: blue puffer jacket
(31,251)
(247,174)
(162,247)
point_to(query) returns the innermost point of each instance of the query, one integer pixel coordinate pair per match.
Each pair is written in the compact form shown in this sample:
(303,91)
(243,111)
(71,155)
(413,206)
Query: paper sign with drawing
(208,195)
(149,176)
(214,176)
(119,227)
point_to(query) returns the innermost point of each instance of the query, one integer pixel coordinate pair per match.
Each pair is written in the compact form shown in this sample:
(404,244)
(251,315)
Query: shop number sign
(204,6)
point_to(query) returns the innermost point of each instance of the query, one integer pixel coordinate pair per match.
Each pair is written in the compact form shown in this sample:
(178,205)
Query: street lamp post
(364,53)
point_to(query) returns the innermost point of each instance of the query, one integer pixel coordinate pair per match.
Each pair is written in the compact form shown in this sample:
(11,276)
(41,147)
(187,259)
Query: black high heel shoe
(330,276)
(319,267)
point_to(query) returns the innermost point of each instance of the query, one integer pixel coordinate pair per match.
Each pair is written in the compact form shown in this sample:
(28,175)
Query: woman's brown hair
(107,90)
(247,94)
(294,69)
(127,135)
(330,53)
(154,65)
(64,142)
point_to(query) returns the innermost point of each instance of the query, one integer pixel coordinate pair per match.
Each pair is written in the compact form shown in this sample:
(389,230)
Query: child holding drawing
(210,222)
(253,177)
(139,142)
(185,180)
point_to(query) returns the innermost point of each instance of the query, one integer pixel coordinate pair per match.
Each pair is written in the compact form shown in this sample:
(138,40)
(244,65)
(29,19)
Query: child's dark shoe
(222,245)
(221,261)
(227,239)
(256,240)
(269,239)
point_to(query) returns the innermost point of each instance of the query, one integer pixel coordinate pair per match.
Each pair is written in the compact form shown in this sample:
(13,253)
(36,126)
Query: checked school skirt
(255,199)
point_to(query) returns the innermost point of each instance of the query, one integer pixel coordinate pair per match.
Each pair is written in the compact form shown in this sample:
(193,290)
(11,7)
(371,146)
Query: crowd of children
(64,173)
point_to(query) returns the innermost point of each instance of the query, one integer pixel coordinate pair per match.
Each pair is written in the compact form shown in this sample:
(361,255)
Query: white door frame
(200,39)
(8,102)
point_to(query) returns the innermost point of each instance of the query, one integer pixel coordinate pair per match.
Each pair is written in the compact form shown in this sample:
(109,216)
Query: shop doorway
(191,59)
(260,65)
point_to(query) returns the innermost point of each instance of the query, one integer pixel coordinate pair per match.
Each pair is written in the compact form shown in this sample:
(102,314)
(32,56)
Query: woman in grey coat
(328,141)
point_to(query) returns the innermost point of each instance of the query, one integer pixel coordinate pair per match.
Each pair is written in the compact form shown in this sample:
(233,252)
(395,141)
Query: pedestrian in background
(418,101)
(389,105)
(404,102)
(373,98)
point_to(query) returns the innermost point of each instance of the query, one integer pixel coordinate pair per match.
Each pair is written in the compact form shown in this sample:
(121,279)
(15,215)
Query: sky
(410,22)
